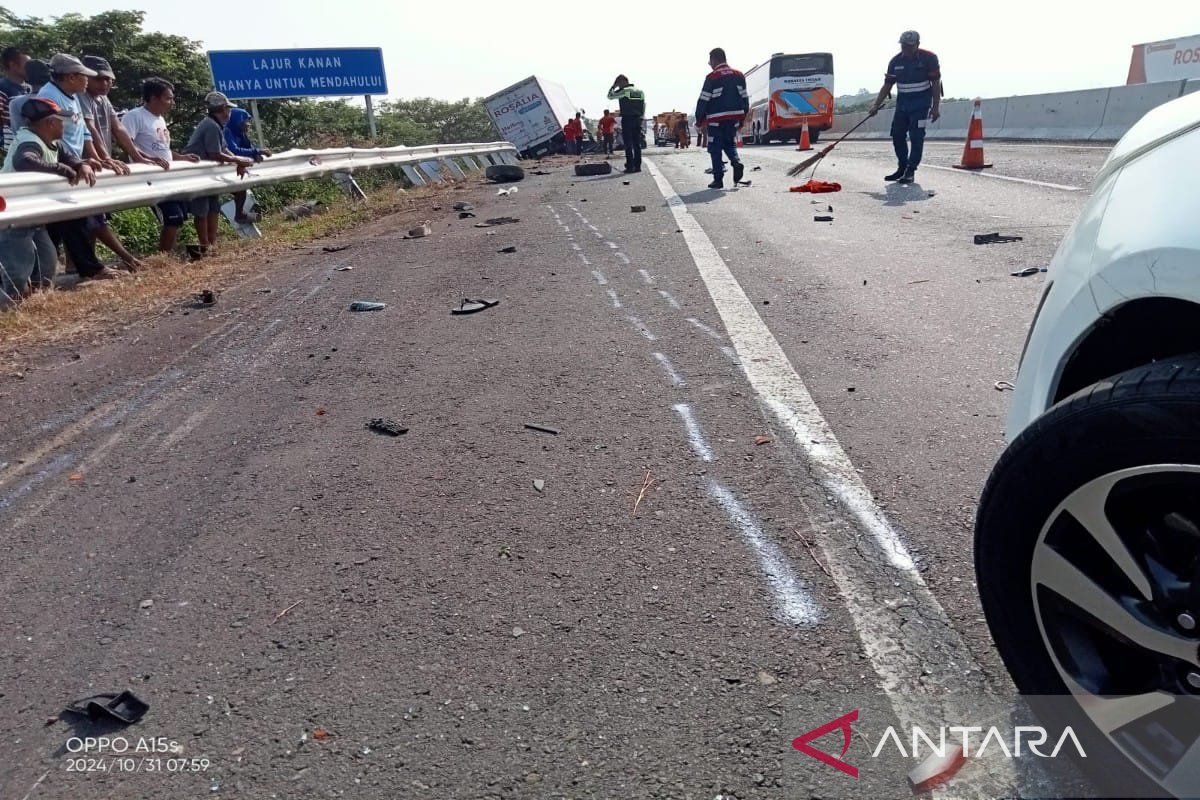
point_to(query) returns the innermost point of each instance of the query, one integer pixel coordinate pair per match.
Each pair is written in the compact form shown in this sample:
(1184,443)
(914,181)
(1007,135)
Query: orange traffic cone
(972,157)
(805,143)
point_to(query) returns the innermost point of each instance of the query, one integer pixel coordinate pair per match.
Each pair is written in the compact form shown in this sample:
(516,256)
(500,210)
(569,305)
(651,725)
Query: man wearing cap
(208,144)
(28,255)
(632,102)
(917,77)
(101,120)
(68,80)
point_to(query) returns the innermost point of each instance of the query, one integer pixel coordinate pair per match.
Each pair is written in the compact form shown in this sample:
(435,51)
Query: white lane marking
(671,301)
(590,225)
(616,301)
(986,174)
(599,235)
(624,258)
(599,276)
(641,328)
(584,259)
(695,433)
(794,603)
(646,276)
(903,629)
(709,331)
(676,379)
(576,247)
(611,245)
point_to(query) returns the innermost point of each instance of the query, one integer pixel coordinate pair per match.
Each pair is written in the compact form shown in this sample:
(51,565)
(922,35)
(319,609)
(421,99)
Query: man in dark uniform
(917,77)
(722,106)
(633,110)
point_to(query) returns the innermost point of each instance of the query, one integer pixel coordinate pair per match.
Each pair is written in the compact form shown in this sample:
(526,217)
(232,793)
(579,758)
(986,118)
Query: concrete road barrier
(1061,115)
(1128,104)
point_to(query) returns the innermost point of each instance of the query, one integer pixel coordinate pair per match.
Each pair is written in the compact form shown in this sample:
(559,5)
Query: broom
(808,162)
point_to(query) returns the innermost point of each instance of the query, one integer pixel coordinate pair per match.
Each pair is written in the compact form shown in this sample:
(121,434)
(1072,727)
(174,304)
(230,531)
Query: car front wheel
(1087,552)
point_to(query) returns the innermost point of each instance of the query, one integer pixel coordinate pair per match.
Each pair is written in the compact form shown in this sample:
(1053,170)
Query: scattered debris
(540,172)
(419,232)
(812,552)
(75,477)
(742,183)
(541,428)
(367,305)
(1024,273)
(320,734)
(343,269)
(263,291)
(463,207)
(497,221)
(301,210)
(637,209)
(506,192)
(504,173)
(602,168)
(125,707)
(761,440)
(1004,386)
(469,306)
(766,679)
(512,248)
(466,215)
(320,412)
(923,280)
(386,427)
(336,248)
(817,187)
(755,169)
(518,632)
(205,298)
(822,218)
(539,484)
(625,183)
(995,238)
(146,604)
(850,389)
(936,769)
(647,483)
(283,613)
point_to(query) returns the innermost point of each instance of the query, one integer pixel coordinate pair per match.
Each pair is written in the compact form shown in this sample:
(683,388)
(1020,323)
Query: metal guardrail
(28,199)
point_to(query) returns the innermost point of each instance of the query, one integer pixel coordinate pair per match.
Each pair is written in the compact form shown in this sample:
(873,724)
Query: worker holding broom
(917,77)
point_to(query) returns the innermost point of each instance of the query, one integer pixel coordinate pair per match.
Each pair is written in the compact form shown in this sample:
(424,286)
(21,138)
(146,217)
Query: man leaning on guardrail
(28,258)
(208,143)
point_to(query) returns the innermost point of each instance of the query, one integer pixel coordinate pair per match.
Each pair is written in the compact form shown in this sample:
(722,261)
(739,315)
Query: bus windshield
(809,64)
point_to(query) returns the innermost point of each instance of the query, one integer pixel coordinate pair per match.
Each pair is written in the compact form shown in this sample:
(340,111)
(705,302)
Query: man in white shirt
(148,130)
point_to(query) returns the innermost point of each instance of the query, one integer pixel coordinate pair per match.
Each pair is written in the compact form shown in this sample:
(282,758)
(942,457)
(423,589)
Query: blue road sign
(317,72)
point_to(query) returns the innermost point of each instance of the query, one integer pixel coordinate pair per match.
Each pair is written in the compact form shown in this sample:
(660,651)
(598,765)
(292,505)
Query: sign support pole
(257,123)
(371,117)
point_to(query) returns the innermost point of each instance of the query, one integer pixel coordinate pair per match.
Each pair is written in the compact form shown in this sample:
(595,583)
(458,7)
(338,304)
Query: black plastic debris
(512,248)
(822,218)
(469,306)
(741,183)
(541,428)
(504,173)
(465,215)
(205,298)
(125,707)
(1025,273)
(755,169)
(367,305)
(463,207)
(637,209)
(386,427)
(995,238)
(336,248)
(499,221)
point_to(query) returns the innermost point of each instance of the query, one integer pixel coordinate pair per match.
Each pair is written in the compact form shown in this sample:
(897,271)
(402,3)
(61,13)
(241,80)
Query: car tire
(504,173)
(814,136)
(584,170)
(1121,456)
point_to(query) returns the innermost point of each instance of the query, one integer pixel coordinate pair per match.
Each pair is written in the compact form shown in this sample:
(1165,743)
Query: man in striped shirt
(917,77)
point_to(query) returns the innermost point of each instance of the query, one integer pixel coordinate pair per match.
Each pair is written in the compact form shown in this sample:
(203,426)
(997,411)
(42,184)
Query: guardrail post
(448,163)
(347,184)
(413,176)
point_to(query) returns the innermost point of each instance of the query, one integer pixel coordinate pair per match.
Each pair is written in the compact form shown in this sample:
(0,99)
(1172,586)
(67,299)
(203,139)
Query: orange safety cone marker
(805,143)
(972,157)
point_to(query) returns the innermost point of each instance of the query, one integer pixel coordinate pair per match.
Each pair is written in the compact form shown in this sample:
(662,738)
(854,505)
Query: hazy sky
(470,48)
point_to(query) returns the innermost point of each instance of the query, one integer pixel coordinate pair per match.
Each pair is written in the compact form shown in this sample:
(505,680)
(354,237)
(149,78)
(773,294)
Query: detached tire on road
(504,173)
(1087,553)
(584,170)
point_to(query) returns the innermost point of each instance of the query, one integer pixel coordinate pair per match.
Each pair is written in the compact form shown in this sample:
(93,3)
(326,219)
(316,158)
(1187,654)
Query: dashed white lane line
(674,376)
(731,354)
(671,301)
(792,599)
(875,574)
(599,235)
(695,433)
(599,276)
(584,259)
(616,301)
(641,328)
(984,174)
(611,245)
(590,225)
(622,257)
(707,330)
(646,276)
(576,247)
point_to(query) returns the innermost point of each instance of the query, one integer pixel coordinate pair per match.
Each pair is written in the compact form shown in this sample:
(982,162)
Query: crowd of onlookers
(57,119)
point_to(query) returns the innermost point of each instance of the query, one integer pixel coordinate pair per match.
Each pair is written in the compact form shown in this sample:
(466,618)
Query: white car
(1087,542)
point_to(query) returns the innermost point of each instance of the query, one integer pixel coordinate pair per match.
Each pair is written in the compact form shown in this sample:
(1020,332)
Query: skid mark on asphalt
(916,652)
(695,434)
(795,604)
(672,374)
(187,426)
(56,466)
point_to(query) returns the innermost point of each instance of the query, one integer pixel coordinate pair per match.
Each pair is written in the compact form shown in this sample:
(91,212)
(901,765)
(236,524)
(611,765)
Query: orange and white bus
(785,92)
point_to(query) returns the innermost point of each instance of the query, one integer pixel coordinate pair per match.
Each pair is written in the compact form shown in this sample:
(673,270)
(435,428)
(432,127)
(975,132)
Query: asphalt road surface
(755,516)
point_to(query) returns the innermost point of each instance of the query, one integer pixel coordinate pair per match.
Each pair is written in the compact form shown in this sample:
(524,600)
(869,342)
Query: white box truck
(531,115)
